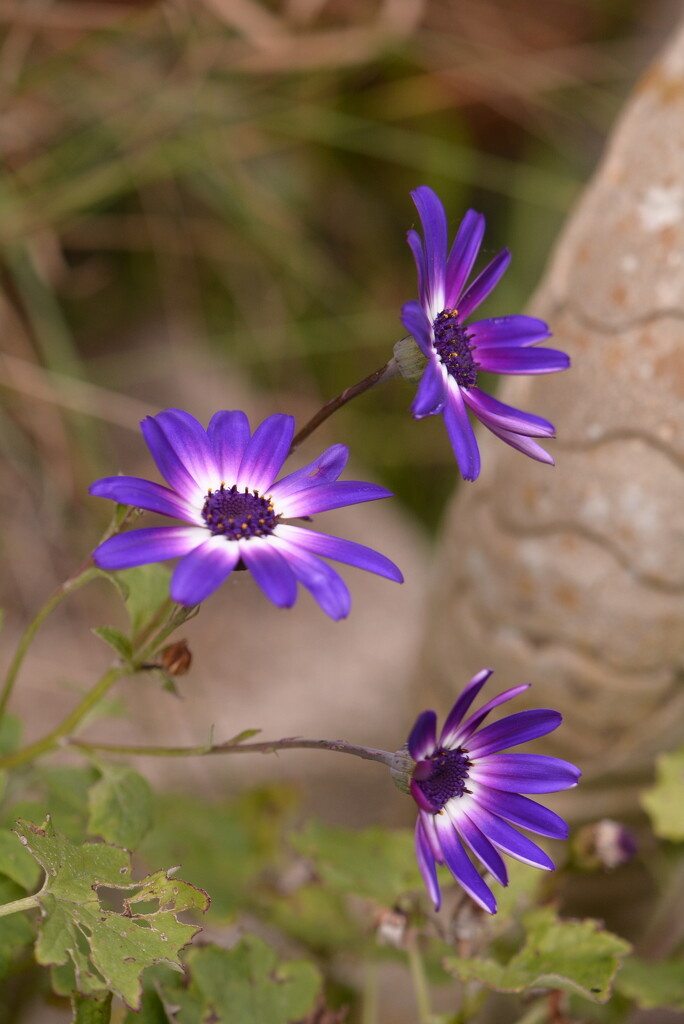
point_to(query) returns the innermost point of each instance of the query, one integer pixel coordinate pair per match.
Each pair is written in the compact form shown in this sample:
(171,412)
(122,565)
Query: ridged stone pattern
(572,578)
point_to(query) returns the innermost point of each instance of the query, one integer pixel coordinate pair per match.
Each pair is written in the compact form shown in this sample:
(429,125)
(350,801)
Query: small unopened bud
(605,844)
(390,928)
(410,359)
(176,659)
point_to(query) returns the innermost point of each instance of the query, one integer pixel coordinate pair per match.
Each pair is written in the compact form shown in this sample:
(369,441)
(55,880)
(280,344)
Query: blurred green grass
(238,175)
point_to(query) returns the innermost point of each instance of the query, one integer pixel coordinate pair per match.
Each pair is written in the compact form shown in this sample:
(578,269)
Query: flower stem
(385,372)
(52,739)
(82,575)
(27,903)
(232,747)
(419,980)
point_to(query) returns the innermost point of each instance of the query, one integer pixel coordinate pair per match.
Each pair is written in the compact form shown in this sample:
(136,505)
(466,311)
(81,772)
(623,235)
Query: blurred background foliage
(233,176)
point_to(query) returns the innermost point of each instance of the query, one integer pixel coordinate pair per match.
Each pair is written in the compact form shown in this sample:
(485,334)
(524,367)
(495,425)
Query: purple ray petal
(508,330)
(525,773)
(463,255)
(201,572)
(434,223)
(152,544)
(521,811)
(340,550)
(229,435)
(523,444)
(484,284)
(522,360)
(508,839)
(328,496)
(475,720)
(189,440)
(461,434)
(455,716)
(432,391)
(423,737)
(271,571)
(461,866)
(430,832)
(513,730)
(265,453)
(168,462)
(325,469)
(477,841)
(426,864)
(416,245)
(131,490)
(497,415)
(320,579)
(417,324)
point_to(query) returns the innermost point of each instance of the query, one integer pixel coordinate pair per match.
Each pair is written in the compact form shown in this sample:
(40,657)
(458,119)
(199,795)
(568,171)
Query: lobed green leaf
(653,985)
(120,806)
(664,802)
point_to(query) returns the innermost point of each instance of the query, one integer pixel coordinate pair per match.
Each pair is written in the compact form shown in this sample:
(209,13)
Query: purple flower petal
(426,863)
(522,360)
(523,444)
(340,550)
(461,434)
(229,435)
(434,223)
(462,256)
(496,415)
(417,324)
(432,391)
(430,832)
(169,463)
(328,496)
(513,730)
(325,469)
(189,440)
(474,722)
(484,284)
(265,453)
(525,773)
(131,490)
(455,716)
(519,810)
(508,330)
(507,838)
(201,572)
(271,571)
(416,245)
(325,584)
(477,841)
(423,737)
(461,866)
(152,544)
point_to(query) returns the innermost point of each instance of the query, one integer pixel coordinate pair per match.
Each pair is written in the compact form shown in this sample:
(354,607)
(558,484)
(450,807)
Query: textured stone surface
(573,578)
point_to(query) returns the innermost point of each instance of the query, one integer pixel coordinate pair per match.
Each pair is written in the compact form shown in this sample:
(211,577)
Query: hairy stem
(27,903)
(385,372)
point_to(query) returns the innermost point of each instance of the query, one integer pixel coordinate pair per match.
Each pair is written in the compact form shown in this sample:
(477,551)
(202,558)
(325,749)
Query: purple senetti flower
(466,789)
(457,350)
(221,483)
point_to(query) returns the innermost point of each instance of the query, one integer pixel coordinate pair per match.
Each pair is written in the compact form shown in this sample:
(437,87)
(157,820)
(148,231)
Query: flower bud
(410,359)
(176,659)
(605,844)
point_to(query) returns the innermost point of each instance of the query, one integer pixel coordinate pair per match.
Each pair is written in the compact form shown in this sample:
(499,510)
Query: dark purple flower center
(238,514)
(442,776)
(454,348)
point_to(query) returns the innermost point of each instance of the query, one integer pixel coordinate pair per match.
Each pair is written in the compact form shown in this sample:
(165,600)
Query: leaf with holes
(106,949)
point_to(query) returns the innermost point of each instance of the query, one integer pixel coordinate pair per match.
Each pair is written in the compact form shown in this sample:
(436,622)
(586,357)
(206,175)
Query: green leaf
(66,797)
(151,1011)
(17,863)
(148,590)
(107,949)
(575,956)
(247,984)
(664,802)
(120,806)
(377,863)
(652,985)
(16,930)
(116,640)
(93,1009)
